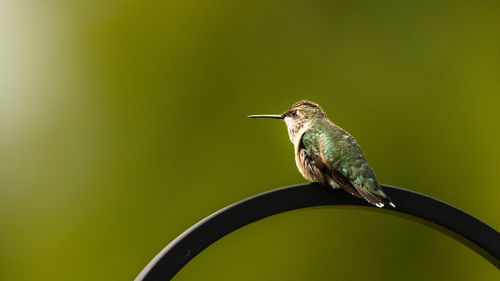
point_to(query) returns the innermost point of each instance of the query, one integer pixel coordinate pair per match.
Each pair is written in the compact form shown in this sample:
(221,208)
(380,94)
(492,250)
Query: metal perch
(436,214)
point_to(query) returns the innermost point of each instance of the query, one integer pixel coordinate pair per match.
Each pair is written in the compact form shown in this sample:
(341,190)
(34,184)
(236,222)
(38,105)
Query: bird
(327,154)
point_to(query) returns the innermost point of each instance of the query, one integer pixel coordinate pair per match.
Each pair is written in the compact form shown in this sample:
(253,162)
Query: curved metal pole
(454,222)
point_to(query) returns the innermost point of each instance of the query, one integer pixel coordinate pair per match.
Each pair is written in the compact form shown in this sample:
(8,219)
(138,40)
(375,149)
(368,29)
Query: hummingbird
(329,155)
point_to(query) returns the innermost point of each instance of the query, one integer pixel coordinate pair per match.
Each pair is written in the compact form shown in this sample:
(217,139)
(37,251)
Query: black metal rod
(452,221)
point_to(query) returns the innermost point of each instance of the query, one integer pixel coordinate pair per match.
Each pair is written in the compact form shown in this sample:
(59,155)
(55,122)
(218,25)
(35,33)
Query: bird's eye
(293,113)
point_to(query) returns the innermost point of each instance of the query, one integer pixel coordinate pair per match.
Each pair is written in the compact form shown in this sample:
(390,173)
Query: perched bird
(327,154)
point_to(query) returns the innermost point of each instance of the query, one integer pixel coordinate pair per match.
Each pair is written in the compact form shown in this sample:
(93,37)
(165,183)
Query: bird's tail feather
(378,199)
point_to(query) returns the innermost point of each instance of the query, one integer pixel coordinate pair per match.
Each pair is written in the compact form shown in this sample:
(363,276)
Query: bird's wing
(344,182)
(348,166)
(312,142)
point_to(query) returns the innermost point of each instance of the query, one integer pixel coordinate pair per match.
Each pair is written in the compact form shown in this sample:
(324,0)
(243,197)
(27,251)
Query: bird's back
(343,156)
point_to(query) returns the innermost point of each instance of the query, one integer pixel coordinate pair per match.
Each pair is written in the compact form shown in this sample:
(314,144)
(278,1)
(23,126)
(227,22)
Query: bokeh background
(123,123)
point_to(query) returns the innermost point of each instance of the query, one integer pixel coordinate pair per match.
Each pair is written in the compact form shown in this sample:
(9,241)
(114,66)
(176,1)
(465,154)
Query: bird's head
(298,116)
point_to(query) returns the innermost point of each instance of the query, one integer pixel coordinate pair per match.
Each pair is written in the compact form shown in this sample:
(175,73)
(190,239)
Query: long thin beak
(266,116)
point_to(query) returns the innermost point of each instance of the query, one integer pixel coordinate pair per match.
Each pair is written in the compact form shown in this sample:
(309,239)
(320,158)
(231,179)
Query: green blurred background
(123,123)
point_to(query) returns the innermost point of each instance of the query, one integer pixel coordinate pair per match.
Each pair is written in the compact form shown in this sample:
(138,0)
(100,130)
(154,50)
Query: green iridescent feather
(339,151)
